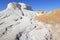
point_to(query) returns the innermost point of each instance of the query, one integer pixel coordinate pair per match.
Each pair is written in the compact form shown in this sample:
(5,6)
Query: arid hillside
(50,18)
(53,18)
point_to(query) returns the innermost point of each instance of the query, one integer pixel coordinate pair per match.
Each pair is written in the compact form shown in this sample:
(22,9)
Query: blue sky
(46,5)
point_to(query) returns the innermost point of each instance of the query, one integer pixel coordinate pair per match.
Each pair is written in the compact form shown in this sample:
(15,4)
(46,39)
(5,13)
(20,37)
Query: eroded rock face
(17,23)
(24,6)
(40,12)
(13,6)
(19,6)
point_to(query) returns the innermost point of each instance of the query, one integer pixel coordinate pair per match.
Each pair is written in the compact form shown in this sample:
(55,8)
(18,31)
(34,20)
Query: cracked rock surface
(17,23)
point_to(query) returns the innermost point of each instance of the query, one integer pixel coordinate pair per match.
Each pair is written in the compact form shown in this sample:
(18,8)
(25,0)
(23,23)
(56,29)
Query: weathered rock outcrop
(18,22)
(19,6)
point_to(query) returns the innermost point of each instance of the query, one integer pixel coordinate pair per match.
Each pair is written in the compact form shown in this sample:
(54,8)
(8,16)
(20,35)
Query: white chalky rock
(19,6)
(11,5)
(24,6)
(17,23)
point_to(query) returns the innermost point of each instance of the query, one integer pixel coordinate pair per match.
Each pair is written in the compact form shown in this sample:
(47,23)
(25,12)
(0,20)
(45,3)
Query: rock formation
(19,22)
(40,12)
(14,5)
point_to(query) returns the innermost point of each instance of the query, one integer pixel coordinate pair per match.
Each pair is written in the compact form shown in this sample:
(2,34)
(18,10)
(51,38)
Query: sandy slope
(51,17)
